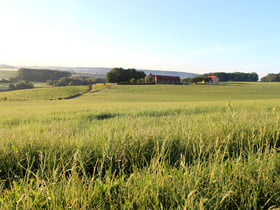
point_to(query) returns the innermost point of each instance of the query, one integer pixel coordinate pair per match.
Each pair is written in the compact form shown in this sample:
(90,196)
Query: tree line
(224,77)
(40,75)
(71,81)
(235,76)
(120,75)
(271,78)
(21,85)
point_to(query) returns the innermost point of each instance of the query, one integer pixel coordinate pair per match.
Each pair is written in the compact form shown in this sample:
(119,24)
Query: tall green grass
(91,153)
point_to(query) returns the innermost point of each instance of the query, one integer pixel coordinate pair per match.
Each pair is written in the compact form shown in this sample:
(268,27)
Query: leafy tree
(271,78)
(40,75)
(118,75)
(12,86)
(149,78)
(185,80)
(199,79)
(140,75)
(140,80)
(235,76)
(72,81)
(50,82)
(21,85)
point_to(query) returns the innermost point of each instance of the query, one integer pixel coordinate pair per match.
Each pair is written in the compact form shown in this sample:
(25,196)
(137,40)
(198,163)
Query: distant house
(213,79)
(165,79)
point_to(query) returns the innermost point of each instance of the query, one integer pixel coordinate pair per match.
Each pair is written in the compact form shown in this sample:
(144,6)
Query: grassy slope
(44,93)
(167,93)
(144,146)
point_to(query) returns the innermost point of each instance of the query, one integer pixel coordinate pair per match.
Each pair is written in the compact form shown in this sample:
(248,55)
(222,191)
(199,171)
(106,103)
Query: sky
(196,36)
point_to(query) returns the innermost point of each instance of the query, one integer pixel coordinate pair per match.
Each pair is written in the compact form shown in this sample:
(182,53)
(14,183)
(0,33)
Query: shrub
(21,85)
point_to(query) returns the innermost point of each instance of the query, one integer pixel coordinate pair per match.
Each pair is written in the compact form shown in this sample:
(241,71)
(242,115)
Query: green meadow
(52,93)
(141,147)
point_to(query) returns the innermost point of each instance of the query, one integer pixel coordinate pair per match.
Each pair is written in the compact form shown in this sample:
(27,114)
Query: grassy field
(147,147)
(7,73)
(53,93)
(5,86)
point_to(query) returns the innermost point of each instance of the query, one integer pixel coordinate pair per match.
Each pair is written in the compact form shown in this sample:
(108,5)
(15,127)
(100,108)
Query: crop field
(142,147)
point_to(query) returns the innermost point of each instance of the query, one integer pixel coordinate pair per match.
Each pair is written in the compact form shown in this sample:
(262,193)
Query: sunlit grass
(120,148)
(44,93)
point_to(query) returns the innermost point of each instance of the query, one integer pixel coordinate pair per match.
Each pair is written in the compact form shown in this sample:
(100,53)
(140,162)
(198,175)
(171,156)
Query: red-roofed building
(213,79)
(165,79)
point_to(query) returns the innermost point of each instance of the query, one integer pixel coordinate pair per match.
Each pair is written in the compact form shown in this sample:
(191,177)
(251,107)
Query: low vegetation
(55,93)
(144,147)
(235,76)
(40,75)
(71,81)
(21,85)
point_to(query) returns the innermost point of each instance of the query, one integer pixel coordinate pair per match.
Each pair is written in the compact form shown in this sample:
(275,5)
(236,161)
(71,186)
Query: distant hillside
(101,71)
(4,66)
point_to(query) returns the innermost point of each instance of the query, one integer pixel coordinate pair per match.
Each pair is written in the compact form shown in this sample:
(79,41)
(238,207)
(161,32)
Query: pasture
(52,93)
(146,146)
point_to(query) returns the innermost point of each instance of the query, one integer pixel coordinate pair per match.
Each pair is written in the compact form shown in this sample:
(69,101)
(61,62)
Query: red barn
(165,79)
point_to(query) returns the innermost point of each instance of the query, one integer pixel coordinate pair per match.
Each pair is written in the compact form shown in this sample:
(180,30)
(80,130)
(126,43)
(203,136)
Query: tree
(199,79)
(185,80)
(148,78)
(40,75)
(235,76)
(118,75)
(21,85)
(271,78)
(12,86)
(140,80)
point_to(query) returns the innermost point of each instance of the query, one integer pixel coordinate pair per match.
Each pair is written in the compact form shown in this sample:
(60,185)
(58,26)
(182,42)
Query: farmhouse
(213,79)
(165,79)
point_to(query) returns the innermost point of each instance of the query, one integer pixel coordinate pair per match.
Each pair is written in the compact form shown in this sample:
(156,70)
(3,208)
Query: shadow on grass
(100,116)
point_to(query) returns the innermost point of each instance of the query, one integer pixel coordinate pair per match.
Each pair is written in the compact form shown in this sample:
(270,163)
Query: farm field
(146,146)
(7,73)
(5,86)
(52,93)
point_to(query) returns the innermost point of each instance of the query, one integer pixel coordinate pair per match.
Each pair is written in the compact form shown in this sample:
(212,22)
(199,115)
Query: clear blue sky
(186,35)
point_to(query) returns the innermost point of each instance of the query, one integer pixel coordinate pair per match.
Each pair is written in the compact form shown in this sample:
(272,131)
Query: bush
(72,81)
(140,80)
(21,85)
(149,78)
(12,86)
